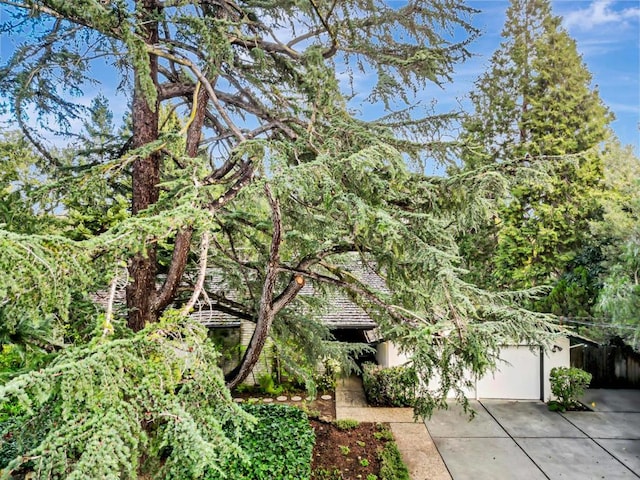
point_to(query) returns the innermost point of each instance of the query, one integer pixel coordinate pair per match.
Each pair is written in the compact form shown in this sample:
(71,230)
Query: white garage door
(518,379)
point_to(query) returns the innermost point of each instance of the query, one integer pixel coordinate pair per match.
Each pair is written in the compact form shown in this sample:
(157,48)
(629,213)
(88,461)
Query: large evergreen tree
(538,118)
(269,181)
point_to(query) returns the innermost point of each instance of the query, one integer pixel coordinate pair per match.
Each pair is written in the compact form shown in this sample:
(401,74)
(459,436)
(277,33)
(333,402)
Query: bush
(268,385)
(567,385)
(390,387)
(327,379)
(391,465)
(280,446)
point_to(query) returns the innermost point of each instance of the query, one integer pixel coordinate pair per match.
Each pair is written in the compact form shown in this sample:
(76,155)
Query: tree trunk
(146,174)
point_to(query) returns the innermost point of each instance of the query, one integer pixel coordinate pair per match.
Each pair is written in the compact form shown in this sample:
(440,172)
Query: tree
(619,233)
(537,118)
(271,180)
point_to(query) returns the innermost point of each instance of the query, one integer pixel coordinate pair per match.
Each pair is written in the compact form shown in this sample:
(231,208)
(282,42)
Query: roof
(341,312)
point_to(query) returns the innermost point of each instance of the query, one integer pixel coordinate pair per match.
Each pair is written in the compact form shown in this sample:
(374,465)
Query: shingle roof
(341,312)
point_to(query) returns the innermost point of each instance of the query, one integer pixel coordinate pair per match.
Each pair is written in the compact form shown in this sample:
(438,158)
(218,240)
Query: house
(522,370)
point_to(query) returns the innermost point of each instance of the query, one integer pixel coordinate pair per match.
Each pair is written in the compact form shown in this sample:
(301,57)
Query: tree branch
(266,311)
(202,274)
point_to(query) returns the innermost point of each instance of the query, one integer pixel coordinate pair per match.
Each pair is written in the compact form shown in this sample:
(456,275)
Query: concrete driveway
(524,440)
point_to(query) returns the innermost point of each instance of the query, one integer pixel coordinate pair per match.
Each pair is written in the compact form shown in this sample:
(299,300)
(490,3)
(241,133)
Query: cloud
(600,13)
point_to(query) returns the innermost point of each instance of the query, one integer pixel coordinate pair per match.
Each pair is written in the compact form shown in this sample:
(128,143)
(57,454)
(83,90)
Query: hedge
(389,387)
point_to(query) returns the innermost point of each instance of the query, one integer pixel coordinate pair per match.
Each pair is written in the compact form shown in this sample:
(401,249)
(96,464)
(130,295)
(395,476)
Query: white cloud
(600,13)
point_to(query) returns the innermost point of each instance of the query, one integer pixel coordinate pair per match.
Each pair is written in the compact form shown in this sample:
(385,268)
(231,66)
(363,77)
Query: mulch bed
(345,454)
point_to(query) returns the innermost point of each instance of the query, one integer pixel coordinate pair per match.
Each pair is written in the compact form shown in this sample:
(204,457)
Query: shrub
(391,387)
(268,385)
(279,446)
(391,465)
(327,379)
(567,385)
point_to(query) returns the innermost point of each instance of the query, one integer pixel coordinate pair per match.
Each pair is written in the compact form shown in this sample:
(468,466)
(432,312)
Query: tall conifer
(535,110)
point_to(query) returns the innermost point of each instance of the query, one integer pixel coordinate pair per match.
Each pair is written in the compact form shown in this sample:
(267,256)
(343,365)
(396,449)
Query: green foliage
(383,433)
(51,270)
(619,233)
(343,189)
(346,424)
(576,291)
(327,380)
(567,385)
(154,402)
(537,119)
(391,465)
(268,384)
(390,387)
(279,446)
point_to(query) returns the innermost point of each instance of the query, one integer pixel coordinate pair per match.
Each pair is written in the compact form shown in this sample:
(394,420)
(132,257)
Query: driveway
(524,440)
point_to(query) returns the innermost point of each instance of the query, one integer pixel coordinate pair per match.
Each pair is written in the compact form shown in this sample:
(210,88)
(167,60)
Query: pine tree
(536,112)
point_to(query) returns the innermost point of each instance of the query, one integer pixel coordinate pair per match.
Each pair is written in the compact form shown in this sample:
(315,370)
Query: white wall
(559,358)
(519,375)
(388,355)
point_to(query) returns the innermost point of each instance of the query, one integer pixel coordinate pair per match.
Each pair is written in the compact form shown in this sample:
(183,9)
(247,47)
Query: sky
(607,33)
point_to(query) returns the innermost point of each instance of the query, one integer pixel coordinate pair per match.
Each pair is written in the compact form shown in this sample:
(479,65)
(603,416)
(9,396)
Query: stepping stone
(281,398)
(267,400)
(238,400)
(296,398)
(253,399)
(326,397)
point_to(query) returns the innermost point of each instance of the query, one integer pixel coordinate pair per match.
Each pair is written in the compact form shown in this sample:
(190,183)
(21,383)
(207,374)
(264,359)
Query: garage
(522,371)
(518,377)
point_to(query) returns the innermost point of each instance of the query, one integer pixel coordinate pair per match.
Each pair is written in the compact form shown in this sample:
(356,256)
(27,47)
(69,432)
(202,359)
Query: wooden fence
(612,366)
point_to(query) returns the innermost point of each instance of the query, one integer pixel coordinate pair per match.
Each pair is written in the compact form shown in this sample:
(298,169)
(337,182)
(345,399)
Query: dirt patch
(347,454)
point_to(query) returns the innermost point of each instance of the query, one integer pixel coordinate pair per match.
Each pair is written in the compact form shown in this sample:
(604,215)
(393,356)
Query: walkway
(418,450)
(523,439)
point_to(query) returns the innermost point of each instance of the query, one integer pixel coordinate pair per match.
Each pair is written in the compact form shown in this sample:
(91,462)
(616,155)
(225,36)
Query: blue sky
(607,34)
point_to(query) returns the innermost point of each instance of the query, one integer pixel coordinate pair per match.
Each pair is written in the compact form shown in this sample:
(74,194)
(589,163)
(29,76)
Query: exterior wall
(265,363)
(560,358)
(388,355)
(521,373)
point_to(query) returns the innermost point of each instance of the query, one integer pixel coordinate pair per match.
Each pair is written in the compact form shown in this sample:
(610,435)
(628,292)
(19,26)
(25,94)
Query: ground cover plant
(279,446)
